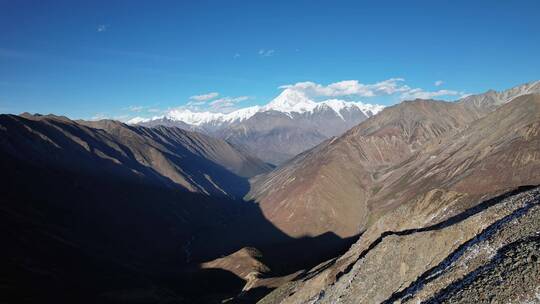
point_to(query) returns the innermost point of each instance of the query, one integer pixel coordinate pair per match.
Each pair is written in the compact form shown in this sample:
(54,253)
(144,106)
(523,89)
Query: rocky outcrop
(245,263)
(451,261)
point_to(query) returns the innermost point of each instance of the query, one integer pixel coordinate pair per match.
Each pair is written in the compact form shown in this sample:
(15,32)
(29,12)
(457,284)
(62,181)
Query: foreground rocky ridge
(455,260)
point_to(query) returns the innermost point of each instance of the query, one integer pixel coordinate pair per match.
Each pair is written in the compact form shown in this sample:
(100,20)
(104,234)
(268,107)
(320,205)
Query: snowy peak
(200,118)
(291,101)
(290,124)
(138,120)
(288,102)
(339,105)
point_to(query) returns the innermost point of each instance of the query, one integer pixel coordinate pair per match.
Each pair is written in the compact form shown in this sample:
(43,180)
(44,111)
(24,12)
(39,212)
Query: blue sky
(121,58)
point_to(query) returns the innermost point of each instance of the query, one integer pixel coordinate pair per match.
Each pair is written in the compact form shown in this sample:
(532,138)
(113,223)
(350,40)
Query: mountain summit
(288,125)
(292,101)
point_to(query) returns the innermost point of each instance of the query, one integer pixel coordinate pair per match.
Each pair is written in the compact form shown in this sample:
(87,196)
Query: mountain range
(423,201)
(288,125)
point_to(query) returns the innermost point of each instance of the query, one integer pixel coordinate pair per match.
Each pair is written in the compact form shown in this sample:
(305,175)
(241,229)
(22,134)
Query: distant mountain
(288,125)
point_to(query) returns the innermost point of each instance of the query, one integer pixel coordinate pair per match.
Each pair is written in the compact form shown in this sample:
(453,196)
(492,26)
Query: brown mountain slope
(429,230)
(328,187)
(495,153)
(486,254)
(346,183)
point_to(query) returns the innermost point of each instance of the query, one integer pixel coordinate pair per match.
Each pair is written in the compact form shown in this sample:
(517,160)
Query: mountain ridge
(289,124)
(289,101)
(376,157)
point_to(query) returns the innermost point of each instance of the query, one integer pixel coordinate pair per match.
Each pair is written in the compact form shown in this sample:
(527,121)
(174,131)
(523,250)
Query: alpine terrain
(429,201)
(270,152)
(288,125)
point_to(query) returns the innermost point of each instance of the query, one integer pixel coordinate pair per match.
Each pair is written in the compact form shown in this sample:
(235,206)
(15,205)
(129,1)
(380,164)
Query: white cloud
(121,118)
(99,116)
(135,108)
(195,103)
(143,109)
(353,88)
(136,120)
(439,83)
(266,53)
(102,28)
(236,55)
(204,97)
(350,88)
(226,104)
(421,94)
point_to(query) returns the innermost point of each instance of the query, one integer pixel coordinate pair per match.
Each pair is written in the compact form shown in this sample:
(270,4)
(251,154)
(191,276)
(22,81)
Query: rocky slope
(488,253)
(389,159)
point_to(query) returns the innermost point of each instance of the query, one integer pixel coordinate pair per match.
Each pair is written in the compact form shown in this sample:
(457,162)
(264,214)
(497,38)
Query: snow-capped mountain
(202,118)
(289,124)
(289,101)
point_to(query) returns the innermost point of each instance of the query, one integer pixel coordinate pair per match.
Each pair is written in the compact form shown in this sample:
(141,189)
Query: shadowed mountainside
(102,211)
